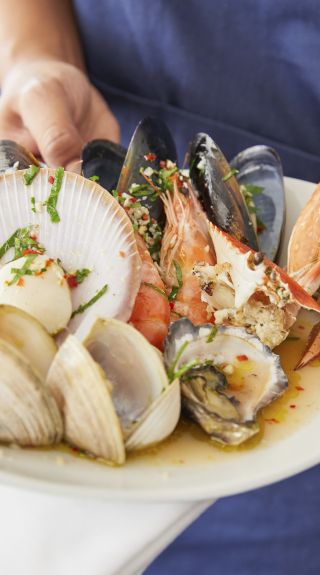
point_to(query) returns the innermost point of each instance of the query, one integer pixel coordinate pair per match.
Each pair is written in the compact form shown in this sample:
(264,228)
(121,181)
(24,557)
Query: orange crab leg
(312,350)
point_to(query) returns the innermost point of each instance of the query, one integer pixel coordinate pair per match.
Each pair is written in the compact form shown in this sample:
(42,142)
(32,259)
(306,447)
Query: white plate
(195,470)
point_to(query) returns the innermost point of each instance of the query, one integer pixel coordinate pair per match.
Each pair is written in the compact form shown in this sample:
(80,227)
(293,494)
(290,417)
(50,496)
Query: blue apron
(246,72)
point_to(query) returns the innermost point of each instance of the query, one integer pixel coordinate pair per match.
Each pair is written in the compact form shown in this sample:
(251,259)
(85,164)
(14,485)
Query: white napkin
(51,535)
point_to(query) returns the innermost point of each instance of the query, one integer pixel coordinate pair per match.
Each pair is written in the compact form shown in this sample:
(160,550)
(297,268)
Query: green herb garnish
(229,175)
(52,200)
(20,240)
(24,270)
(94,178)
(156,288)
(81,275)
(89,303)
(30,174)
(174,292)
(33,204)
(212,334)
(171,370)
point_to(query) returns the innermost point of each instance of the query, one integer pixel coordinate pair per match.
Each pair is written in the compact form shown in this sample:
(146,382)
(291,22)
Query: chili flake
(51,180)
(299,388)
(292,406)
(242,357)
(150,157)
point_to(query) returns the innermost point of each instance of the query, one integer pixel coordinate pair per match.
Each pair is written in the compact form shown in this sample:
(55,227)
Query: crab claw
(312,350)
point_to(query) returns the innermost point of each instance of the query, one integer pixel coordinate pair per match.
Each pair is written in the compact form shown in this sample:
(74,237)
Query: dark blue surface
(247,72)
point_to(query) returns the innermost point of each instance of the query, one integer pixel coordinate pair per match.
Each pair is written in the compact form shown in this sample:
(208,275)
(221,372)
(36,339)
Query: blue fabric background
(247,72)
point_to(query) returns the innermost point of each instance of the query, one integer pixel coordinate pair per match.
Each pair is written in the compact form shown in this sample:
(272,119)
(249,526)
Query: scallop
(112,388)
(227,376)
(43,292)
(91,231)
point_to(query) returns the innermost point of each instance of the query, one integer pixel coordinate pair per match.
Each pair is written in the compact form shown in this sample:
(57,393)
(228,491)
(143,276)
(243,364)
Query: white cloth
(51,535)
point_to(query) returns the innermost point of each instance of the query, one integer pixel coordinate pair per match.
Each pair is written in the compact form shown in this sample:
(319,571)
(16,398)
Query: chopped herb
(293,338)
(21,240)
(229,175)
(30,174)
(212,334)
(24,270)
(156,288)
(52,200)
(89,303)
(174,292)
(82,274)
(260,226)
(251,189)
(184,368)
(171,369)
(33,204)
(94,178)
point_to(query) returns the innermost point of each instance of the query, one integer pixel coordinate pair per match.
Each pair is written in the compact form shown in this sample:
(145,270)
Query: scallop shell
(94,232)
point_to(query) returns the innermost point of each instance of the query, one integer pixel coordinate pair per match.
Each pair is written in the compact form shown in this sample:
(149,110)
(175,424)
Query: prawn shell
(94,232)
(298,294)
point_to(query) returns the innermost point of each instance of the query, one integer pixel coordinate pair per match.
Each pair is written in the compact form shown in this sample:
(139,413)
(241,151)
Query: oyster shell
(94,232)
(226,376)
(28,413)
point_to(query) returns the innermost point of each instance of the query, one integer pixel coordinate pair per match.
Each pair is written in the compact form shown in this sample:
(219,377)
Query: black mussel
(204,402)
(260,177)
(104,159)
(219,191)
(14,157)
(151,144)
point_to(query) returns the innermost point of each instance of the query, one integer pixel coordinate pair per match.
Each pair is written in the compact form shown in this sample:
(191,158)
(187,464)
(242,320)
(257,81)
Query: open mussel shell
(224,402)
(29,415)
(261,166)
(14,157)
(83,395)
(146,404)
(219,194)
(104,159)
(151,136)
(27,335)
(94,232)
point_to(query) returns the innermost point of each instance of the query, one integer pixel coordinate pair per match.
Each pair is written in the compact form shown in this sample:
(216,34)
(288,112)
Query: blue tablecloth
(246,72)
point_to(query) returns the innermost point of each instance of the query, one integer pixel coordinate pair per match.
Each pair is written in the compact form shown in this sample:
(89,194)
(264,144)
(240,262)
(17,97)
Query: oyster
(128,400)
(28,413)
(226,376)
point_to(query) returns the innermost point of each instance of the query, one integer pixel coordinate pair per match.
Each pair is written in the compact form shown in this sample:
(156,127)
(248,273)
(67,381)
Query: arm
(47,103)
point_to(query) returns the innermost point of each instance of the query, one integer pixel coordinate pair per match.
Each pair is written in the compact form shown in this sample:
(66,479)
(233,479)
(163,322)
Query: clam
(113,391)
(218,190)
(260,170)
(81,226)
(227,376)
(14,157)
(29,415)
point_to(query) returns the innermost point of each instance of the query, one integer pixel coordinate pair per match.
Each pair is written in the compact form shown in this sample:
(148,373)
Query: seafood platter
(151,345)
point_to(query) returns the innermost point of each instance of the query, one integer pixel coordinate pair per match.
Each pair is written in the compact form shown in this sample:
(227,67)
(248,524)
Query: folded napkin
(53,535)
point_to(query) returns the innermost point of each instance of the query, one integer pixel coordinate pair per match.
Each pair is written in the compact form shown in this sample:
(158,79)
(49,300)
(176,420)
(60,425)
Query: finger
(11,128)
(45,112)
(101,123)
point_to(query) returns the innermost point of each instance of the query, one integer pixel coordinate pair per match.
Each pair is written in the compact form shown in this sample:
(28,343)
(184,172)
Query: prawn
(151,312)
(186,243)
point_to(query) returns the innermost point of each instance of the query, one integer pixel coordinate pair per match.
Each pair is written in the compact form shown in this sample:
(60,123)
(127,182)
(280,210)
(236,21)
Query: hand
(51,108)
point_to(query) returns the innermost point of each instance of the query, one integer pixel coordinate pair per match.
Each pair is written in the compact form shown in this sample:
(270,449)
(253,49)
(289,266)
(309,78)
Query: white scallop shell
(94,232)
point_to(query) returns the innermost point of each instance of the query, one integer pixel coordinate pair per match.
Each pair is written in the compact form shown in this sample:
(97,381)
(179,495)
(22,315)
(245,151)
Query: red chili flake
(33,236)
(299,388)
(260,229)
(51,180)
(145,217)
(171,305)
(71,280)
(20,282)
(163,164)
(292,406)
(301,327)
(122,254)
(28,251)
(150,157)
(242,357)
(272,420)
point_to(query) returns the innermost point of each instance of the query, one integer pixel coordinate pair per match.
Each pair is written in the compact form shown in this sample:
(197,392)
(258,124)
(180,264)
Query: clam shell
(28,413)
(83,394)
(28,336)
(94,232)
